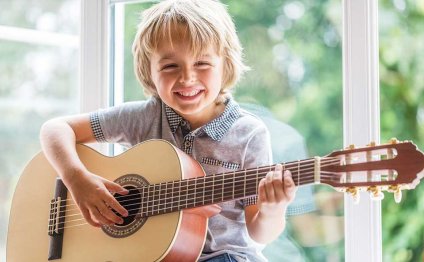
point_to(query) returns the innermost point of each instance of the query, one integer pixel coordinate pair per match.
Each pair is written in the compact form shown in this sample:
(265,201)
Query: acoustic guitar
(46,225)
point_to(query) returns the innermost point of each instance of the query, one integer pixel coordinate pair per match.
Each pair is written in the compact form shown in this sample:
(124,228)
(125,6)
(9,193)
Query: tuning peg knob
(398,196)
(375,193)
(353,191)
(372,143)
(393,140)
(397,192)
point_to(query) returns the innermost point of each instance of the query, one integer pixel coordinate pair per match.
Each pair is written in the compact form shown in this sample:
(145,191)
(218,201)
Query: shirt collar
(215,129)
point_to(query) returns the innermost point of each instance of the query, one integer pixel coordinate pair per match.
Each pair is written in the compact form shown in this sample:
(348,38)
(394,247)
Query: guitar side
(161,237)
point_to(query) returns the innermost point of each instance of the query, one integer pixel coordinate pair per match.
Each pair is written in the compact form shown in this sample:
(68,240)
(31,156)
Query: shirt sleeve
(126,124)
(258,153)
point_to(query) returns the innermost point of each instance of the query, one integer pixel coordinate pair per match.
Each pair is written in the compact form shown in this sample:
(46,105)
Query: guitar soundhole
(131,202)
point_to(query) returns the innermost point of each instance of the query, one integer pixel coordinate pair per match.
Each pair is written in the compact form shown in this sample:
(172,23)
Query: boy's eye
(202,63)
(169,66)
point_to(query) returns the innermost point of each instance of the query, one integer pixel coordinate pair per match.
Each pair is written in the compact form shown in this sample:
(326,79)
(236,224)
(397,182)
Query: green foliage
(402,116)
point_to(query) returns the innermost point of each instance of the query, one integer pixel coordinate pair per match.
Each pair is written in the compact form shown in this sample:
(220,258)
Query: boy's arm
(90,192)
(265,221)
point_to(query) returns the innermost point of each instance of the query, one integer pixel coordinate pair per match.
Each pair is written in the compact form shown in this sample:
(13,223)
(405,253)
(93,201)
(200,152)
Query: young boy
(187,56)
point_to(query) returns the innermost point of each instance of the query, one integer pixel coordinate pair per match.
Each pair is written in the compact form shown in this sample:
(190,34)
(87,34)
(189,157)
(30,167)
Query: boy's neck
(202,118)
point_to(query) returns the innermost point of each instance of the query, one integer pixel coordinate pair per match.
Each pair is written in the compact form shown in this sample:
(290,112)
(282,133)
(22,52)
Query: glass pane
(401,26)
(38,82)
(46,15)
(295,85)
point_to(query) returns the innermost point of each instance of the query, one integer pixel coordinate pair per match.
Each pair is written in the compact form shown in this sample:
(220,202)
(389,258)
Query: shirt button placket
(188,144)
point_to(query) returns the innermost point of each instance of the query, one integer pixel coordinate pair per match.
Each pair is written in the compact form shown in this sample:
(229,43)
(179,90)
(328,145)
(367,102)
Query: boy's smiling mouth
(189,94)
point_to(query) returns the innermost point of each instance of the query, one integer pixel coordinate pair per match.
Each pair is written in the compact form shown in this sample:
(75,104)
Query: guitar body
(164,181)
(161,238)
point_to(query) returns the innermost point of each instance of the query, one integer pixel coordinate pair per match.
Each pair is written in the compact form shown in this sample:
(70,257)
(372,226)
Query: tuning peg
(372,143)
(398,196)
(393,140)
(353,191)
(375,193)
(397,193)
(350,147)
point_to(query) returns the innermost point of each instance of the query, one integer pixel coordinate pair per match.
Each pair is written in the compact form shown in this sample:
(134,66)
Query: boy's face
(186,83)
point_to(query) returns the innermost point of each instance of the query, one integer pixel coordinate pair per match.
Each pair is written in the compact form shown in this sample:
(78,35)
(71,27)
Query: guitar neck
(189,193)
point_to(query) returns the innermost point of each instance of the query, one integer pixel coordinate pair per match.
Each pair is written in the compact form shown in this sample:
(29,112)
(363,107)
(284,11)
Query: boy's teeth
(192,93)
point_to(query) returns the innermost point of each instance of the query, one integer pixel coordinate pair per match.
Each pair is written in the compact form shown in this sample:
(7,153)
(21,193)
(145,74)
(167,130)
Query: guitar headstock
(388,167)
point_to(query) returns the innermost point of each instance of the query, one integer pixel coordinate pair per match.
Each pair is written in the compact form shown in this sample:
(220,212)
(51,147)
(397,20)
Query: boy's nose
(187,76)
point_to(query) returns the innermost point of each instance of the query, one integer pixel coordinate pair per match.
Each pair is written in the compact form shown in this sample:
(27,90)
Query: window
(39,44)
(295,52)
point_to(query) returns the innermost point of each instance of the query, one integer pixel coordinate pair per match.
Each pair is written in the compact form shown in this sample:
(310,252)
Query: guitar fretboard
(194,192)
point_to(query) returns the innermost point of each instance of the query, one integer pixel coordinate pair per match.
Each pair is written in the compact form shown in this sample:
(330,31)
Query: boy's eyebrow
(167,56)
(172,55)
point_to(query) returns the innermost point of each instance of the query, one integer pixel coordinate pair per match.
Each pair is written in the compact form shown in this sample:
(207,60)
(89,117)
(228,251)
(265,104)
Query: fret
(222,186)
(167,201)
(150,199)
(217,189)
(209,190)
(238,186)
(143,201)
(171,208)
(178,188)
(191,192)
(154,198)
(227,187)
(185,195)
(244,189)
(252,184)
(195,192)
(257,180)
(234,182)
(204,188)
(298,172)
(159,198)
(202,194)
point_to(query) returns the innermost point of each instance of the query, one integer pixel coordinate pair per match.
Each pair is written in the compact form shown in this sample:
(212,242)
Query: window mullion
(94,57)
(94,54)
(361,120)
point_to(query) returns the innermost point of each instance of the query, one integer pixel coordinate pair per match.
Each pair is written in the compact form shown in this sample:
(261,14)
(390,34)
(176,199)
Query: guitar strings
(159,209)
(311,164)
(248,178)
(224,180)
(83,224)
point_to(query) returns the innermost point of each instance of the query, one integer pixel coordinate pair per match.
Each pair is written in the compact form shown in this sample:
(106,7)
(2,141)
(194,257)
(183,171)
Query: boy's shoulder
(248,124)
(150,103)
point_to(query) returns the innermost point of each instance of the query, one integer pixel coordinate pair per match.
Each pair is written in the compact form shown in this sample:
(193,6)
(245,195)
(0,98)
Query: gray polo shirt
(234,140)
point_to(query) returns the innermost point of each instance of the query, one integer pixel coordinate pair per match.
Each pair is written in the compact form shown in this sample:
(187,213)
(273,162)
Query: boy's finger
(87,216)
(278,168)
(269,187)
(289,186)
(261,190)
(115,188)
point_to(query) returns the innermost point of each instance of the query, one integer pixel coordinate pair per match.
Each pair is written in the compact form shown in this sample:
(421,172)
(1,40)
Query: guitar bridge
(56,224)
(56,216)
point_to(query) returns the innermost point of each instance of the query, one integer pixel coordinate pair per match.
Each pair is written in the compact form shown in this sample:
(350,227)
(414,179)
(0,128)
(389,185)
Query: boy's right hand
(93,195)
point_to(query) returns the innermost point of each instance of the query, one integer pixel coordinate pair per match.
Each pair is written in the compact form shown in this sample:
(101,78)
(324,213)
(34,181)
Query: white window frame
(361,120)
(361,112)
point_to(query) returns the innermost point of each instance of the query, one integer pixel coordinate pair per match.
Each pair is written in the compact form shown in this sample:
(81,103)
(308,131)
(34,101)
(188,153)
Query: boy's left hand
(275,192)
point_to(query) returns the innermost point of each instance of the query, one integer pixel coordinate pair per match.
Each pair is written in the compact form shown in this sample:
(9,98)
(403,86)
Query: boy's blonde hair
(206,22)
